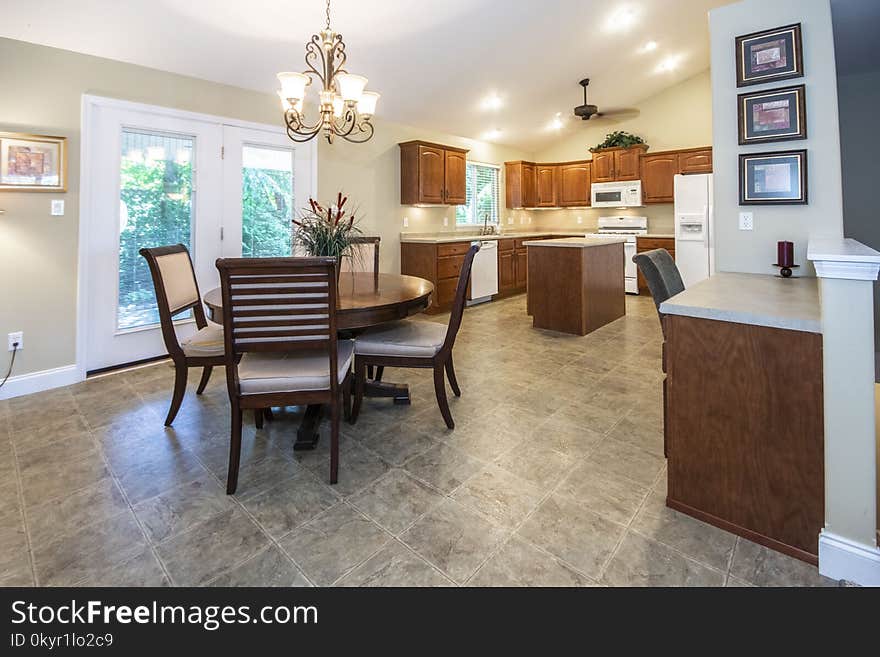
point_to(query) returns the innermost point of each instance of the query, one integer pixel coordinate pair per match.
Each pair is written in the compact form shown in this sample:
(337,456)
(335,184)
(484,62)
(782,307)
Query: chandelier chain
(328,14)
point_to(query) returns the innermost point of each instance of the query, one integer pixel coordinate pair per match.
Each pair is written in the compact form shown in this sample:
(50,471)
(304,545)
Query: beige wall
(754,251)
(678,117)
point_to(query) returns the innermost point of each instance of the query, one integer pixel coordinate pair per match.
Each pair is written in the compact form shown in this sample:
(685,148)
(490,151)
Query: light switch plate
(746,221)
(580,220)
(445,221)
(57,208)
(406,222)
(509,221)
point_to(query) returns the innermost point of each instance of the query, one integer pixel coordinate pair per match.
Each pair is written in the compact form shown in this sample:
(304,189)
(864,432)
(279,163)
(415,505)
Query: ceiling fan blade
(618,113)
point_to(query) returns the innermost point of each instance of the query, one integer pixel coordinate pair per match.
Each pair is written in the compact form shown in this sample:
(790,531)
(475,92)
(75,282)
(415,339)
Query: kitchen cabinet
(695,160)
(439,263)
(647,244)
(658,177)
(432,174)
(617,164)
(545,177)
(574,184)
(506,266)
(520,185)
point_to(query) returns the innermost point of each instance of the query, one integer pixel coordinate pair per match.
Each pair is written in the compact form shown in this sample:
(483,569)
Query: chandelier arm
(339,52)
(313,50)
(301,137)
(294,121)
(365,133)
(349,121)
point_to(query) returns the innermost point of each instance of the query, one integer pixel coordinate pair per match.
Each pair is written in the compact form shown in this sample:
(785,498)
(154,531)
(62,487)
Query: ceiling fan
(587,111)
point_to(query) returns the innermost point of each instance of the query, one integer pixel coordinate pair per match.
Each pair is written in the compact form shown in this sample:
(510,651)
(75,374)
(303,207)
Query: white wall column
(848,543)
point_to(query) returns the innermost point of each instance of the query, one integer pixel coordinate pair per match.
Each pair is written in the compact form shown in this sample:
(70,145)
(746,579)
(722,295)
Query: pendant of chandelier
(346,110)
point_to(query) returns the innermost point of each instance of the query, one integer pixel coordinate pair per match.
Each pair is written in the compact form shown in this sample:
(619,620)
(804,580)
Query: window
(266,201)
(482,195)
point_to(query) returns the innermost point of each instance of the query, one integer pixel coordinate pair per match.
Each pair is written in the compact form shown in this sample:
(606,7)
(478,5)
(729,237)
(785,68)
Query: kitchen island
(743,408)
(575,284)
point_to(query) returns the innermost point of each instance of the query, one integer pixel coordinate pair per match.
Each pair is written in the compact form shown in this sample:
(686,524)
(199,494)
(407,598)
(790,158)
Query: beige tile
(269,568)
(535,463)
(89,551)
(333,543)
(444,467)
(398,445)
(394,565)
(762,566)
(142,570)
(642,562)
(181,508)
(698,540)
(14,559)
(502,496)
(358,468)
(641,430)
(159,473)
(71,428)
(520,564)
(289,504)
(213,547)
(396,501)
(43,483)
(573,533)
(609,494)
(632,462)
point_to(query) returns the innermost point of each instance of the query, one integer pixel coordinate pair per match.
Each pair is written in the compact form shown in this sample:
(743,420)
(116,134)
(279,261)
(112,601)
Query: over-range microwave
(627,194)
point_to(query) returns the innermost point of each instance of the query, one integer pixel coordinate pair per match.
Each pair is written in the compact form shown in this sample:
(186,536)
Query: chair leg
(346,396)
(203,383)
(450,374)
(267,413)
(180,372)
(369,371)
(234,450)
(258,418)
(380,370)
(440,390)
(360,375)
(334,441)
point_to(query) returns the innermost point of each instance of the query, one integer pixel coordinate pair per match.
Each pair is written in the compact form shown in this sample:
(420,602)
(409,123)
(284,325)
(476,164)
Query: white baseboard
(841,558)
(25,384)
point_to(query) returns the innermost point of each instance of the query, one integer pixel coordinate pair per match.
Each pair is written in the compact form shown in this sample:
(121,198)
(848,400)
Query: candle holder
(785,270)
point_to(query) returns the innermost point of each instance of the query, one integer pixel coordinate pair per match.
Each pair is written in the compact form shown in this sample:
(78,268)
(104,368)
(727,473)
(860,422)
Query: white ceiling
(433,61)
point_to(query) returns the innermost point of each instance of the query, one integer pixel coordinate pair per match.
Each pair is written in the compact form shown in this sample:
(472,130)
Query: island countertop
(577,242)
(757,299)
(449,238)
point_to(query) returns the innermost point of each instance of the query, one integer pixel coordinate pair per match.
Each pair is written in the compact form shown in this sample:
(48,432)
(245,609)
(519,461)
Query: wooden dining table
(364,300)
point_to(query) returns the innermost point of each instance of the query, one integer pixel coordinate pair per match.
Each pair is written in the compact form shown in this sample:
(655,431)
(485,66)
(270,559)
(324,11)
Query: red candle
(785,254)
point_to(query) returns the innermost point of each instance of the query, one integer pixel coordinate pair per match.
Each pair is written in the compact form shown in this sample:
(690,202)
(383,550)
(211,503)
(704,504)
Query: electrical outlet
(746,221)
(406,222)
(445,221)
(580,220)
(530,220)
(522,220)
(510,221)
(57,208)
(17,337)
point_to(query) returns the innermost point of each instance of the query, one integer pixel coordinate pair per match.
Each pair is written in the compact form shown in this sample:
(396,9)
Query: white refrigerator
(694,230)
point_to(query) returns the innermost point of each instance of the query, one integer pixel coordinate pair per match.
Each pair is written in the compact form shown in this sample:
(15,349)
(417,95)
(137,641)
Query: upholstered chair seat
(265,372)
(207,341)
(406,338)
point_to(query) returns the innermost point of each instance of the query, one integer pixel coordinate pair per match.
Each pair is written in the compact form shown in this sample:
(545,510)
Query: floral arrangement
(326,231)
(619,139)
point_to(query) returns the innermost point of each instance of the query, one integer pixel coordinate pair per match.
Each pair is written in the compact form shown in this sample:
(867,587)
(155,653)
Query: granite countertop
(577,242)
(659,236)
(417,238)
(757,299)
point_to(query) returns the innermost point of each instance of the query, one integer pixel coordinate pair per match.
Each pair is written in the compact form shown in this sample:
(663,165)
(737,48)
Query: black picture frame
(790,106)
(762,181)
(769,55)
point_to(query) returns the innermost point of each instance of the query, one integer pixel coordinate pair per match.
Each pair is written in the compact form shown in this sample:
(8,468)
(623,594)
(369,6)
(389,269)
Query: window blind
(481,194)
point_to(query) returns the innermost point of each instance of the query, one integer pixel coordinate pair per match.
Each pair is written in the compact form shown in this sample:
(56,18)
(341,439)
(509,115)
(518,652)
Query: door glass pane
(155,209)
(266,202)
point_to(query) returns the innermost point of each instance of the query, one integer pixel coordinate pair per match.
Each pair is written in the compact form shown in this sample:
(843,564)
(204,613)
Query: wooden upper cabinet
(432,174)
(658,177)
(627,163)
(545,177)
(455,180)
(574,184)
(603,167)
(520,185)
(695,161)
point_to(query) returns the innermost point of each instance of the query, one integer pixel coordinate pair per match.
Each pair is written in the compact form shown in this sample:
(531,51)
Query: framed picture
(769,56)
(773,178)
(777,115)
(32,163)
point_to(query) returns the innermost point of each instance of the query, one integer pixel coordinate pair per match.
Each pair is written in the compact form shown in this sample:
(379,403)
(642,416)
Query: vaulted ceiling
(434,62)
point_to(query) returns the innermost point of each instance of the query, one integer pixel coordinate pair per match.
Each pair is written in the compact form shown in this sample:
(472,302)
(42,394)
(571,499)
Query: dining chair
(413,343)
(364,256)
(282,348)
(177,292)
(662,275)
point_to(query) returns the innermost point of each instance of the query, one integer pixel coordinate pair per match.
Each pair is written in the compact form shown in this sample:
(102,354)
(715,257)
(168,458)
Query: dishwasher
(484,273)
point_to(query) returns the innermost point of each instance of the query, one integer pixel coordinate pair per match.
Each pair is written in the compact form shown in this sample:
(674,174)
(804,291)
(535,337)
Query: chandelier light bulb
(293,85)
(367,104)
(350,86)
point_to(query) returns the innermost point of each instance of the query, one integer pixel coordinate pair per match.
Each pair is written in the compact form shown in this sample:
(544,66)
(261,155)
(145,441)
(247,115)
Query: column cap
(843,258)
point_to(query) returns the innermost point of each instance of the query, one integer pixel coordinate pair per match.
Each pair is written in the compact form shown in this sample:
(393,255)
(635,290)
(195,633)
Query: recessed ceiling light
(651,46)
(556,123)
(491,134)
(669,64)
(492,102)
(621,19)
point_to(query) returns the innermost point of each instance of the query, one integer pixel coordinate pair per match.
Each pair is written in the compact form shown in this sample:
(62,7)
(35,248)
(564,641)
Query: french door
(156,177)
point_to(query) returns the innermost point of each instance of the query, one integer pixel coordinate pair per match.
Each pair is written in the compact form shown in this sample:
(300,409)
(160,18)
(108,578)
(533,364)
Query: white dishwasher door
(484,274)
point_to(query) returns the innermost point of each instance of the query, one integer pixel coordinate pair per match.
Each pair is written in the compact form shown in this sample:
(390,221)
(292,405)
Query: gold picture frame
(32,163)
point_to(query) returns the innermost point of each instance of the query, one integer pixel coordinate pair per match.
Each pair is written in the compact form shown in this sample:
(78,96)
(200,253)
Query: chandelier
(346,109)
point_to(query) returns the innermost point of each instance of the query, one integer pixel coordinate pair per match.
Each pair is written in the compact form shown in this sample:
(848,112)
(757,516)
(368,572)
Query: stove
(629,227)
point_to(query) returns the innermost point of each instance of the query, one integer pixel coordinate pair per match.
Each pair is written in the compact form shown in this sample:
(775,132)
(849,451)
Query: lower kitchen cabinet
(506,266)
(648,244)
(438,263)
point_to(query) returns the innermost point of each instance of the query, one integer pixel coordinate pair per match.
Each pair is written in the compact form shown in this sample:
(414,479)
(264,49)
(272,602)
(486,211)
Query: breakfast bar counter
(743,408)
(575,284)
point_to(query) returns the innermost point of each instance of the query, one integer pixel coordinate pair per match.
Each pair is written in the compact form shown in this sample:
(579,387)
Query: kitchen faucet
(486,229)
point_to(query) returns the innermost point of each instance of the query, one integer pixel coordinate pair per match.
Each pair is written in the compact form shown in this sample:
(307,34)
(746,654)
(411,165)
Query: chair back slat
(279,304)
(460,298)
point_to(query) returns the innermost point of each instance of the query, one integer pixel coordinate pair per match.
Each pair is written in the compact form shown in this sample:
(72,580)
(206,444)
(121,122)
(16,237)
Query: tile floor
(554,476)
